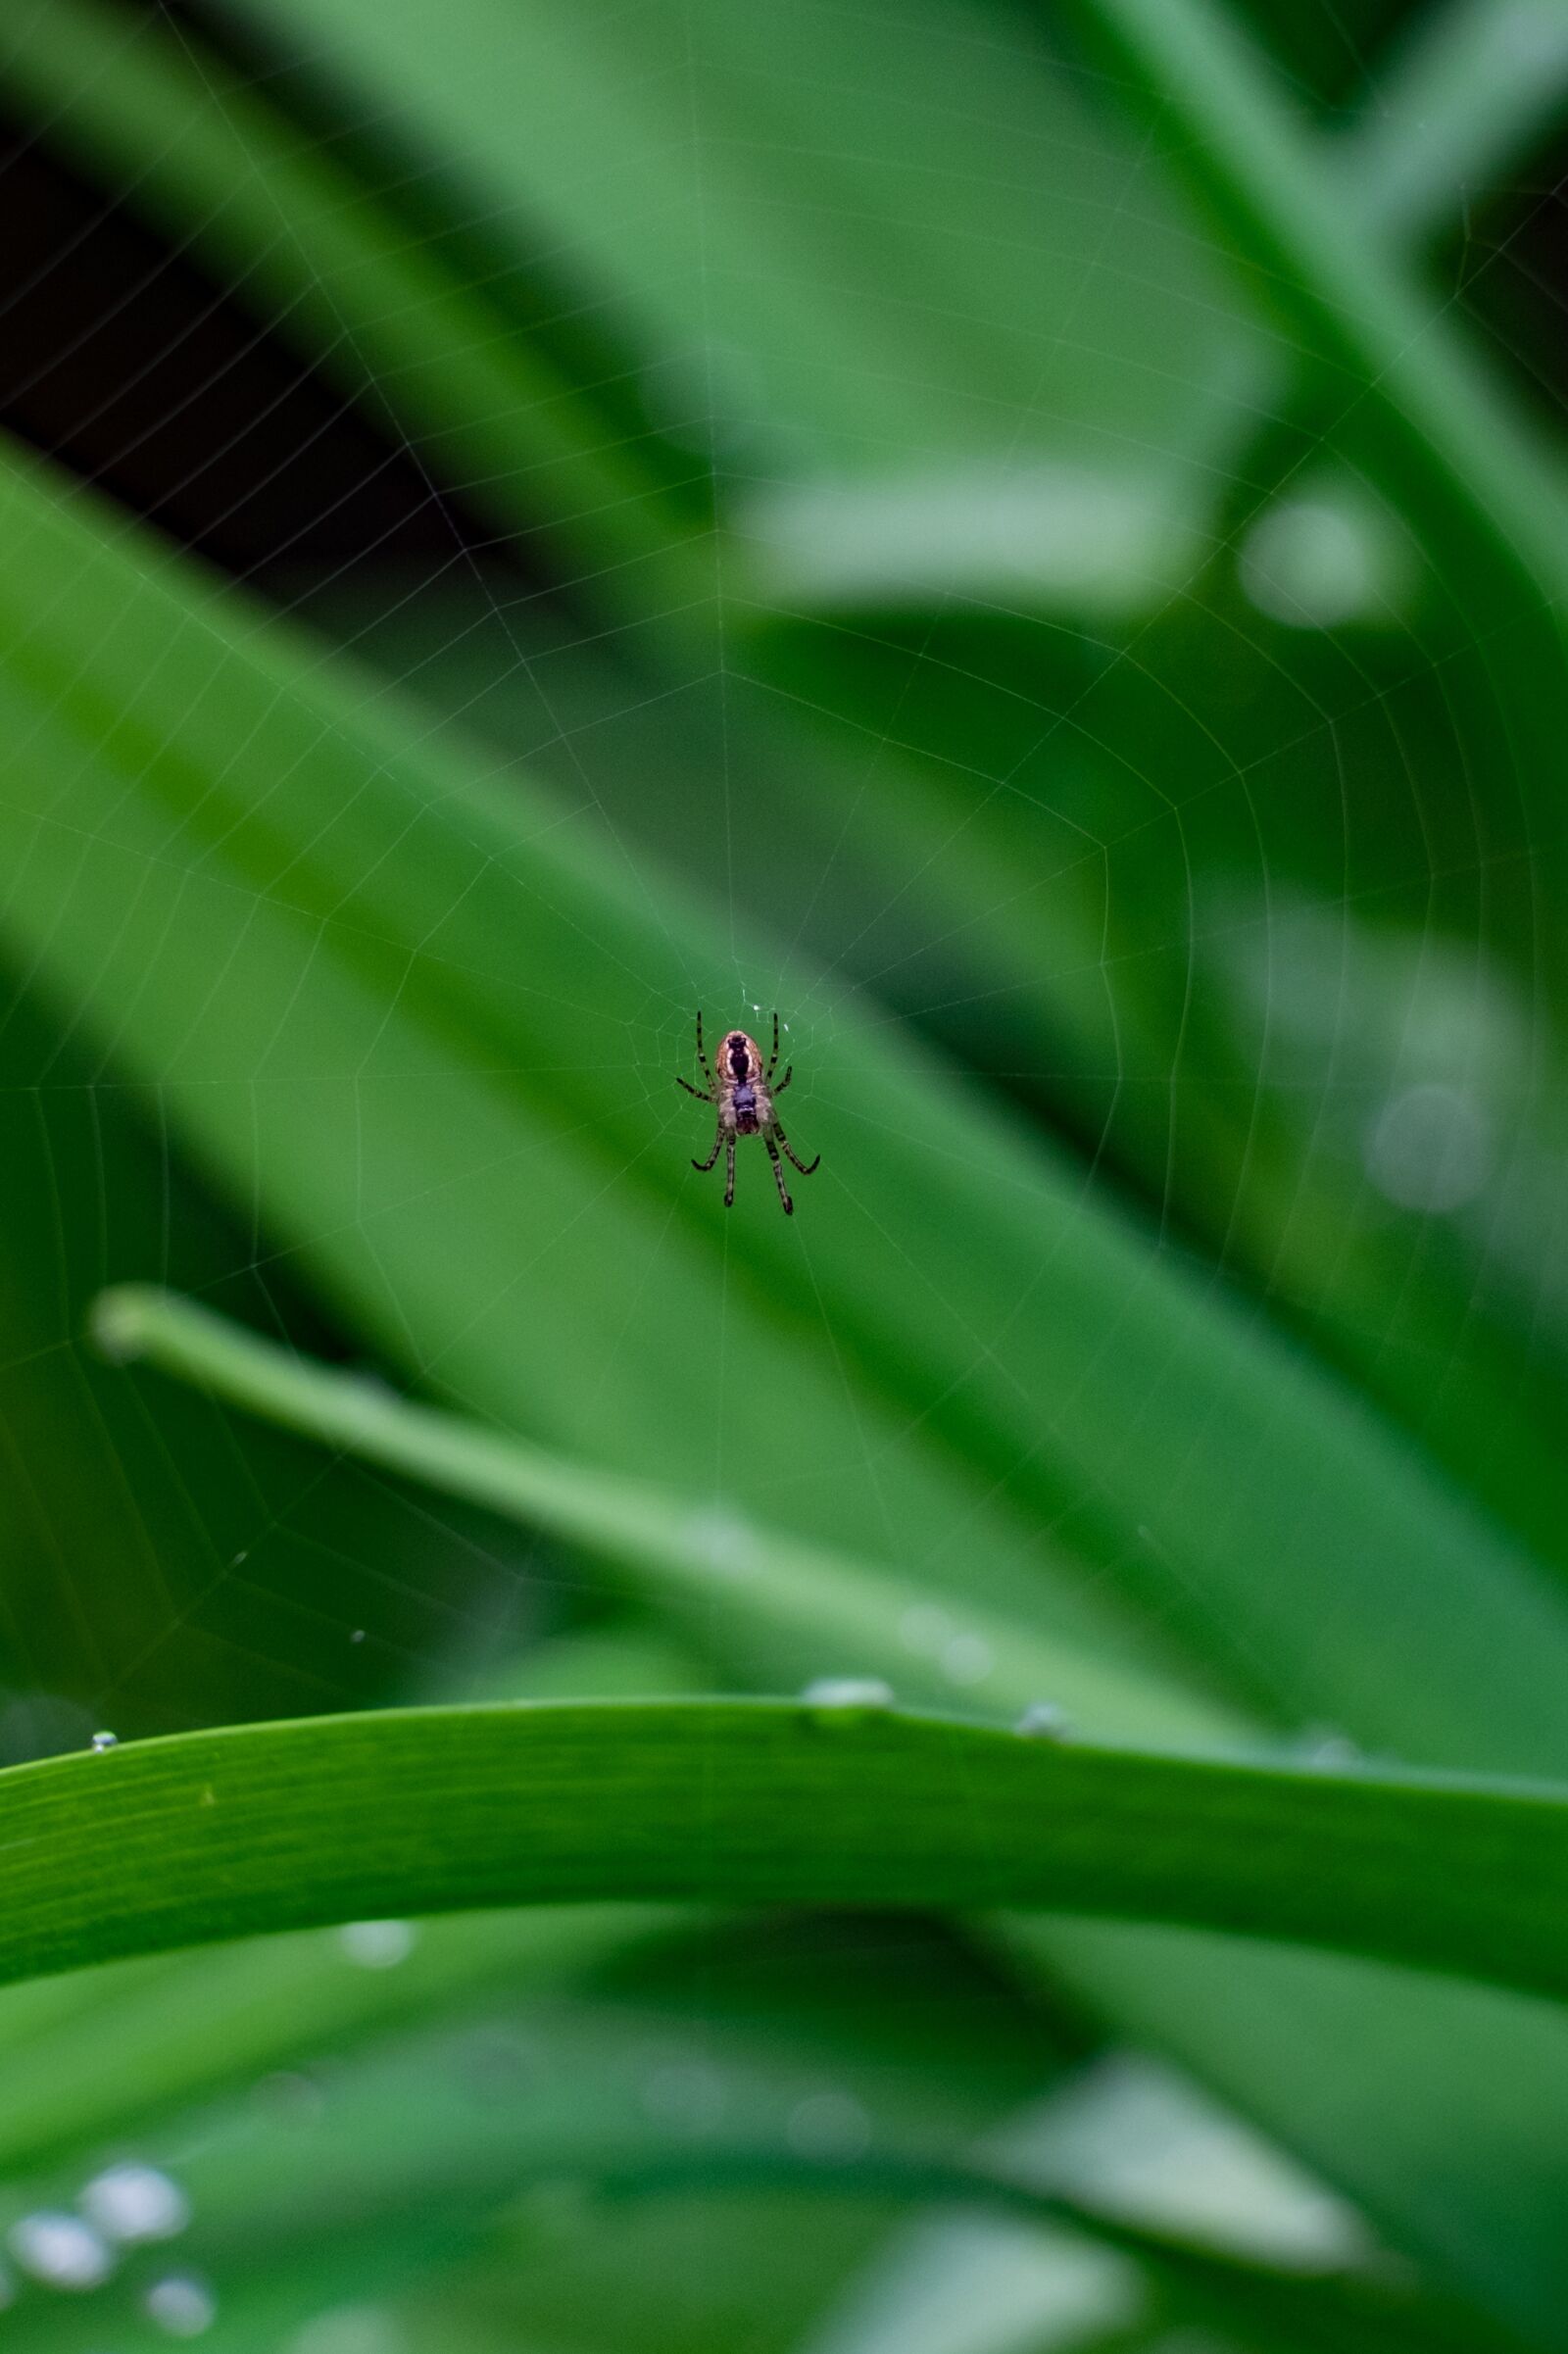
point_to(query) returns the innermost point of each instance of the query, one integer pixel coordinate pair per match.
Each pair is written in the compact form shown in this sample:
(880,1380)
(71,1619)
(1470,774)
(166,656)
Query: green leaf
(429,2140)
(361,984)
(1469,88)
(774,1596)
(92,2059)
(301,238)
(1010,936)
(219,1835)
(303,929)
(1433,428)
(1226,2013)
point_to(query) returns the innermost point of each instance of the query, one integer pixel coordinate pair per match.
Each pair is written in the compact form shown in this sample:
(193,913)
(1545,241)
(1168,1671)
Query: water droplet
(1328,1747)
(831,2127)
(1431,1148)
(350,2329)
(1313,565)
(130,2202)
(967,1659)
(378,1944)
(357,1635)
(106,1741)
(1043,1720)
(848,1691)
(181,2305)
(239,1558)
(60,2249)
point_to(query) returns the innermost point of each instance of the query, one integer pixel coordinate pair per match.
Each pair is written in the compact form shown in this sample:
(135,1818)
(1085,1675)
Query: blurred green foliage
(1031,541)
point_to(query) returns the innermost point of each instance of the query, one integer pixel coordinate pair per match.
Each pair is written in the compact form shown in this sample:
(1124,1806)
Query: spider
(744,1093)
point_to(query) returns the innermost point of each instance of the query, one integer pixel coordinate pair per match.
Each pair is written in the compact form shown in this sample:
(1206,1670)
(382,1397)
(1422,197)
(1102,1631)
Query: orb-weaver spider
(744,1094)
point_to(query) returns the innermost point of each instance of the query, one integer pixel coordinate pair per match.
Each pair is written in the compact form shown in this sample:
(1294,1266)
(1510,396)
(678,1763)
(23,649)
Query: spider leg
(806,1167)
(772,1060)
(701,1093)
(778,1172)
(729,1170)
(789,1073)
(702,1166)
(702,1051)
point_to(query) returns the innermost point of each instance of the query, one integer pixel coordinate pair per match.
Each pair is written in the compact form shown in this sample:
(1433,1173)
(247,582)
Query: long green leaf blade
(768,1590)
(219,1835)
(1435,427)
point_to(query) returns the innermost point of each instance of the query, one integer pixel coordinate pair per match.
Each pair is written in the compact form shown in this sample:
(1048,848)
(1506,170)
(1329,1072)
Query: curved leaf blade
(205,1835)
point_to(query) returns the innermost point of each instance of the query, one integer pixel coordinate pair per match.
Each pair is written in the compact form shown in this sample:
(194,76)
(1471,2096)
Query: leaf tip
(118,1322)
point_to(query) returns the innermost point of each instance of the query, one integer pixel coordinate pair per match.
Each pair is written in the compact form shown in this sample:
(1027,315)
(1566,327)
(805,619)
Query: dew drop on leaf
(848,1691)
(182,2305)
(131,2202)
(60,2249)
(1043,1720)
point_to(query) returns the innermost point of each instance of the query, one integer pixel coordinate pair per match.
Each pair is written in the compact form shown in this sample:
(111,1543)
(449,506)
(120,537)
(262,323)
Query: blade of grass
(1297,1225)
(585,2120)
(197,1836)
(283,219)
(1469,86)
(120,2047)
(115,1519)
(1338,2312)
(303,932)
(300,230)
(149,2037)
(803,1598)
(1435,428)
(775,309)
(364,979)
(444,1013)
(552,2083)
(1227,2019)
(1314,2047)
(304,935)
(1023,950)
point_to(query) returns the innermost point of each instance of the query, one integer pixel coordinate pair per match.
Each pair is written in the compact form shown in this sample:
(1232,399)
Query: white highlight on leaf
(60,2249)
(131,2202)
(378,1944)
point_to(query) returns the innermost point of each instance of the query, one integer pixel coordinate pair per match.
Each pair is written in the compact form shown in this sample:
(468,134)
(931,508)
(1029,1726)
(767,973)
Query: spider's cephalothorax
(744,1091)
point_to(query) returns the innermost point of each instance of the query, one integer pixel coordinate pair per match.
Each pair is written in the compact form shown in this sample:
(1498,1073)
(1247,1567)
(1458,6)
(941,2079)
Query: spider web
(1067,718)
